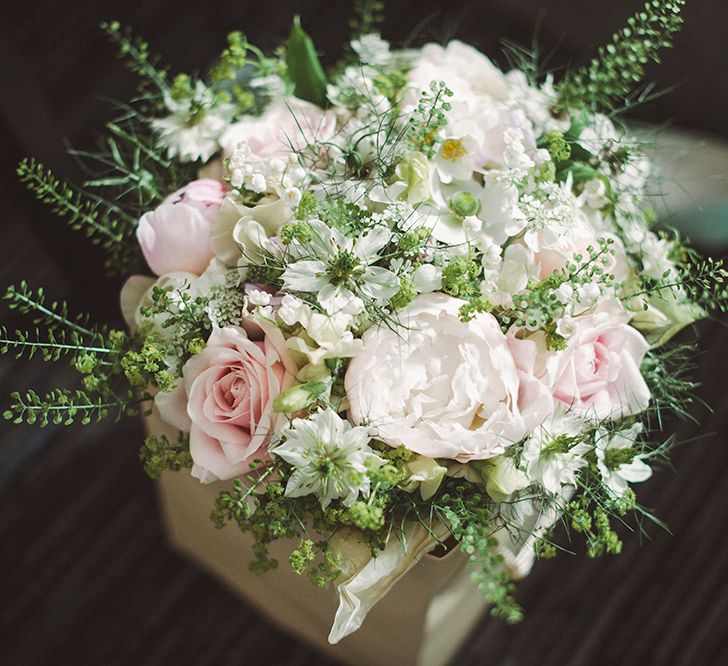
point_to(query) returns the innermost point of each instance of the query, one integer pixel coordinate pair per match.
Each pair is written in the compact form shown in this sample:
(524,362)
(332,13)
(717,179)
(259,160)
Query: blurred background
(87,577)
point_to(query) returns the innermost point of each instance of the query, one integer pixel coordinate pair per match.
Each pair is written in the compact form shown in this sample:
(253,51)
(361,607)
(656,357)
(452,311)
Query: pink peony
(225,401)
(598,374)
(205,194)
(289,124)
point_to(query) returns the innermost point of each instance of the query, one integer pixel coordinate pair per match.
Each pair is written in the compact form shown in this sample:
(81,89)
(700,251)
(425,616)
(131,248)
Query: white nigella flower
(550,456)
(195,125)
(617,460)
(330,458)
(342,271)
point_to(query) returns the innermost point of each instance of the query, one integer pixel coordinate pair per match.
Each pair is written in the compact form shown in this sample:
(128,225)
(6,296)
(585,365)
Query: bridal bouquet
(411,301)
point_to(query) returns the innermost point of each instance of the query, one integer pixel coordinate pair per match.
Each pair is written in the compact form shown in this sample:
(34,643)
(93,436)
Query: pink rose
(287,124)
(598,374)
(445,388)
(205,194)
(225,401)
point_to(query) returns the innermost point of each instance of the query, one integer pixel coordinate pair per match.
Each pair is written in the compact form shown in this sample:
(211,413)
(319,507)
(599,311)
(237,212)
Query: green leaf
(304,67)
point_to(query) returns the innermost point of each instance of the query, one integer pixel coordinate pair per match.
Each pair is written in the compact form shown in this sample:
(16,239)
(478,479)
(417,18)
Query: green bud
(299,397)
(464,204)
(314,372)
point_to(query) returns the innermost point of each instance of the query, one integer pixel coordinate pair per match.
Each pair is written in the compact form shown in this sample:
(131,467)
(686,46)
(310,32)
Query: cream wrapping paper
(367,579)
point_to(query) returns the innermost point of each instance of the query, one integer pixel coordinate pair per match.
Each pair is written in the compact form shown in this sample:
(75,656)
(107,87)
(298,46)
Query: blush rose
(225,401)
(598,374)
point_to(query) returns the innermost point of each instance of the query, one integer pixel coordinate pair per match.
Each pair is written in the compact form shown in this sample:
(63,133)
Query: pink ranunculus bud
(175,237)
(205,194)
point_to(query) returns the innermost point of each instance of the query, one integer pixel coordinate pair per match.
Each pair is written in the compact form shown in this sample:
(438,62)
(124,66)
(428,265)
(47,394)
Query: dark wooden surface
(85,574)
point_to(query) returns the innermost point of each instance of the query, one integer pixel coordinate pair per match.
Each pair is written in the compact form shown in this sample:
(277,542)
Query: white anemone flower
(616,460)
(342,270)
(330,458)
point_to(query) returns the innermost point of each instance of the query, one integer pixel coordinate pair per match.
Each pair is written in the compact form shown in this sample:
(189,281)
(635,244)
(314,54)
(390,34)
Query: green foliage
(667,371)
(594,522)
(460,278)
(136,52)
(298,231)
(304,67)
(704,280)
(159,454)
(368,17)
(557,145)
(188,319)
(469,515)
(83,213)
(51,348)
(429,117)
(405,295)
(474,306)
(232,59)
(52,315)
(307,207)
(619,66)
(65,406)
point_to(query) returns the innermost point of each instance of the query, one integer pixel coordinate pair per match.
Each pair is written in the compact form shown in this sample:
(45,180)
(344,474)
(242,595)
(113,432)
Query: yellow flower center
(453,149)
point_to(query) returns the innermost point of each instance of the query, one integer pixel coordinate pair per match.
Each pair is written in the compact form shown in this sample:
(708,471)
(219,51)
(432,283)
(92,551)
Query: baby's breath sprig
(429,117)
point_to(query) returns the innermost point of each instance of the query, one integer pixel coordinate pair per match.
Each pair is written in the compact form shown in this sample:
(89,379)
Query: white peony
(465,70)
(444,388)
